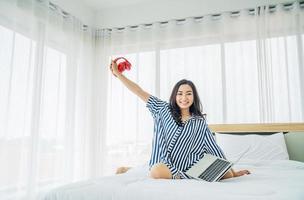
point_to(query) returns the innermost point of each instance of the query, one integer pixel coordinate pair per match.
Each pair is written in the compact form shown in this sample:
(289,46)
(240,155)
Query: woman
(181,135)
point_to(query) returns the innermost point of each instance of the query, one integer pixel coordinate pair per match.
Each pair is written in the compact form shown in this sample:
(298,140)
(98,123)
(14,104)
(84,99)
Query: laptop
(211,168)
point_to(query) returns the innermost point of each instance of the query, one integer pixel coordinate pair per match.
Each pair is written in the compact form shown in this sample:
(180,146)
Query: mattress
(268,180)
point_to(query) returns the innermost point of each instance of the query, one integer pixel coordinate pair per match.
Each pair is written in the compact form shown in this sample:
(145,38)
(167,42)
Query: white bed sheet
(269,180)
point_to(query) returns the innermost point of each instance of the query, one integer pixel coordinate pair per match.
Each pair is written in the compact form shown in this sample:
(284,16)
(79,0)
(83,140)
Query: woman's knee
(160,171)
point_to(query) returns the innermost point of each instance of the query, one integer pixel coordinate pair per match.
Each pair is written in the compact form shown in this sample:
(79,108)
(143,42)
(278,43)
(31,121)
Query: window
(32,112)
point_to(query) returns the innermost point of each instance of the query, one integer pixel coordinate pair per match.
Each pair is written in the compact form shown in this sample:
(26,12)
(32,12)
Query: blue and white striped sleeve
(154,105)
(210,145)
(176,173)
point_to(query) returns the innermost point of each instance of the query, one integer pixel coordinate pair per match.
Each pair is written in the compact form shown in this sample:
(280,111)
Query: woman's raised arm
(133,87)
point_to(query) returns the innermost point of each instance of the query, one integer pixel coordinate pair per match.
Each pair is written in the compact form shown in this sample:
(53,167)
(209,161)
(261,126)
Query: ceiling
(120,13)
(103,4)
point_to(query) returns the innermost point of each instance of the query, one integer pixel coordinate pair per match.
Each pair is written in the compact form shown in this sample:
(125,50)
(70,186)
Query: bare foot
(121,170)
(241,173)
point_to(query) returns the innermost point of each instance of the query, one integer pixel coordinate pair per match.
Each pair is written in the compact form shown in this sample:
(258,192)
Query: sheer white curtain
(46,60)
(124,126)
(247,66)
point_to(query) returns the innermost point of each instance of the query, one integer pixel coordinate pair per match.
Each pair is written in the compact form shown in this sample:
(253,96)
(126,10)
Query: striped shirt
(179,147)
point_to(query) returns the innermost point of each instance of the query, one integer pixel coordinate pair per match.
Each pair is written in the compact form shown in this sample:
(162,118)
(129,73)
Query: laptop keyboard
(214,170)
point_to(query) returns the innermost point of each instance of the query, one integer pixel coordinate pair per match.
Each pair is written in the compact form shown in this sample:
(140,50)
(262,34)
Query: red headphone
(122,65)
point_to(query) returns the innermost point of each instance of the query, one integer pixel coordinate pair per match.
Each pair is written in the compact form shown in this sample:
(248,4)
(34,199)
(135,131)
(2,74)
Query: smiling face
(184,97)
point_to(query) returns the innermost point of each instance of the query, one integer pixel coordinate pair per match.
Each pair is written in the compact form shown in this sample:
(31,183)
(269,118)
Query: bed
(277,178)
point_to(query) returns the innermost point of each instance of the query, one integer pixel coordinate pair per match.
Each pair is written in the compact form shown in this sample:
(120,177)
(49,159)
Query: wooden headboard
(262,128)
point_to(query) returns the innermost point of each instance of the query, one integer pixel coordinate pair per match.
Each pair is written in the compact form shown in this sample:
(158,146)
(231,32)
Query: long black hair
(196,108)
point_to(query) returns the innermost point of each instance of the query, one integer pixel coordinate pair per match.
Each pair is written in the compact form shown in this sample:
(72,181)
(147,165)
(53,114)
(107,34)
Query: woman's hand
(240,173)
(133,87)
(114,69)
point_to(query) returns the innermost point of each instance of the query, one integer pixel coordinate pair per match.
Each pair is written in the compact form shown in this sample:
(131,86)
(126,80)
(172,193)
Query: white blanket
(268,180)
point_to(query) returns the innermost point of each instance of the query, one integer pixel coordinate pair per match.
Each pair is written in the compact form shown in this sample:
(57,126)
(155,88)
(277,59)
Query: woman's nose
(184,96)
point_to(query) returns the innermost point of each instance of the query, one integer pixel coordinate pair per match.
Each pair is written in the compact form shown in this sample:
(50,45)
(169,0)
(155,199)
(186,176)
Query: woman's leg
(231,173)
(160,171)
(121,170)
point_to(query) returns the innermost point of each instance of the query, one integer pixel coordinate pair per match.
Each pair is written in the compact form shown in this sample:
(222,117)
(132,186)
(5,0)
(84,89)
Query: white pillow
(261,147)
